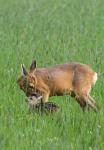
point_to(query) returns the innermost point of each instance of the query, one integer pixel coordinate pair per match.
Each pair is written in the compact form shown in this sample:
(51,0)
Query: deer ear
(33,65)
(23,70)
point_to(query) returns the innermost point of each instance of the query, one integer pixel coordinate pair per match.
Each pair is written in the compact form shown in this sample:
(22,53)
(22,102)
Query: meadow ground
(52,32)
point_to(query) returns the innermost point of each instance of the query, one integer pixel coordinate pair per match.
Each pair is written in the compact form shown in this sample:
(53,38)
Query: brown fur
(73,79)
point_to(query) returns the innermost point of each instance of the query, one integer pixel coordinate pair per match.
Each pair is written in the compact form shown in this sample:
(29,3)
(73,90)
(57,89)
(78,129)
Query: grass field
(52,32)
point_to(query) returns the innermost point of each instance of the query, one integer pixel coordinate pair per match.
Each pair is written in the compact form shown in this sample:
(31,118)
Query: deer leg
(81,101)
(45,97)
(85,101)
(93,103)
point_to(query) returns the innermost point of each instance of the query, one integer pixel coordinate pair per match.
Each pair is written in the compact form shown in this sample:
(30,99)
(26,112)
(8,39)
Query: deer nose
(30,98)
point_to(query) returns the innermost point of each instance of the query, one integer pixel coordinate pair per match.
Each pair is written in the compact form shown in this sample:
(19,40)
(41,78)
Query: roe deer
(73,79)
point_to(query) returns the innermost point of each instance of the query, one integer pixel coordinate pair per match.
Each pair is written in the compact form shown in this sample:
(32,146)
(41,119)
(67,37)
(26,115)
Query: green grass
(52,32)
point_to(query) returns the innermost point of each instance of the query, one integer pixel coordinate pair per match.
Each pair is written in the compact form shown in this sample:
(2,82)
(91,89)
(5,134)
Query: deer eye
(30,86)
